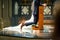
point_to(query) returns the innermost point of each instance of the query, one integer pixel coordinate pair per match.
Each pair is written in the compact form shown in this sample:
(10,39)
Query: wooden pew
(40,19)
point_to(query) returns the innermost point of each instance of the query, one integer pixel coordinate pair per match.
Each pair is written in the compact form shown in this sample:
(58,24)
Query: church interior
(12,10)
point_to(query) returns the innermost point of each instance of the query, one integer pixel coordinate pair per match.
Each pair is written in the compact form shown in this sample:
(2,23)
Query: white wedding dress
(18,29)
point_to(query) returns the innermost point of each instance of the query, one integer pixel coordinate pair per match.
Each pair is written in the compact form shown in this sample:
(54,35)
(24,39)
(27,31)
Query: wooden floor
(16,38)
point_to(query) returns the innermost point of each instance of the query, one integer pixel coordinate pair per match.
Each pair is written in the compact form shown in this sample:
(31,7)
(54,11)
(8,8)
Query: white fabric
(32,17)
(15,28)
(27,29)
(18,29)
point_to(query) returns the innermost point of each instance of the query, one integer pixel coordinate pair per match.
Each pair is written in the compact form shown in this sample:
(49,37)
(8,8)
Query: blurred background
(11,10)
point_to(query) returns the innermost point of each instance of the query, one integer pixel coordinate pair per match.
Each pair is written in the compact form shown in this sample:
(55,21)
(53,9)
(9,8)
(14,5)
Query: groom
(35,10)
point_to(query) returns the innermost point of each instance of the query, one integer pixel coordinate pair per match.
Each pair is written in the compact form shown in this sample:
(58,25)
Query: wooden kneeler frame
(40,19)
